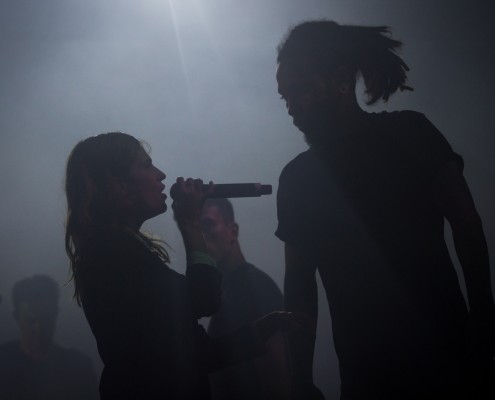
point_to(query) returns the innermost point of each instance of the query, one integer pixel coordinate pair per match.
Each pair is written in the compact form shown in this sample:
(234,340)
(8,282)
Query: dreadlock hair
(365,50)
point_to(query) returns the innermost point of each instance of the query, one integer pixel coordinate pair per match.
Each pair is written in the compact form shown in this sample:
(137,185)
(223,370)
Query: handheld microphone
(229,190)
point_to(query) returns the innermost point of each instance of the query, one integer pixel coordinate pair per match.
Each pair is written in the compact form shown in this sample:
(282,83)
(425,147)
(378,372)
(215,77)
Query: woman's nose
(161,175)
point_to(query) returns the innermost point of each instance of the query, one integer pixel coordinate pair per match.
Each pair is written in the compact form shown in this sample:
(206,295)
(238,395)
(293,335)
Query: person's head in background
(35,301)
(110,182)
(221,233)
(318,65)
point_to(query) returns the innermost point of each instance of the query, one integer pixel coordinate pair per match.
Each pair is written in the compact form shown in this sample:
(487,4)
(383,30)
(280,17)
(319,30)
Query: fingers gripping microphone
(229,190)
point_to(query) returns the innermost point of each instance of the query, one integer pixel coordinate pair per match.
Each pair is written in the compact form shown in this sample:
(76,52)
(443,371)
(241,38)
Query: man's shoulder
(304,165)
(260,279)
(407,125)
(256,272)
(400,117)
(300,160)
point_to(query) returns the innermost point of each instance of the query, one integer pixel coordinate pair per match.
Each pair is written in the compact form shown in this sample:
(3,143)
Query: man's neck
(337,129)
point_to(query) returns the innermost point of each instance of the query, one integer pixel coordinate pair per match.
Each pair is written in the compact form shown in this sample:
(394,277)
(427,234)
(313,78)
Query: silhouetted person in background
(247,294)
(34,367)
(365,206)
(143,314)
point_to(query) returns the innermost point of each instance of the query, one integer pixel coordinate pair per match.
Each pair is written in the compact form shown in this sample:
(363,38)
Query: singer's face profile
(145,188)
(308,96)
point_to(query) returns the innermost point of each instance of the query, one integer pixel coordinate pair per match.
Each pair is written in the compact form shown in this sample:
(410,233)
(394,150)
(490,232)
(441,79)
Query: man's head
(318,63)
(35,302)
(313,100)
(221,232)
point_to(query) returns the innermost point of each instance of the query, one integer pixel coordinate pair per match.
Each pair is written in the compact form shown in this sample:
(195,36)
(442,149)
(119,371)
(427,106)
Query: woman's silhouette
(142,313)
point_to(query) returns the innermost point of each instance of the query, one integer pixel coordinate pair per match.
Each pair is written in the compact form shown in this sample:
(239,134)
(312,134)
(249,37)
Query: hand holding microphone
(188,198)
(189,195)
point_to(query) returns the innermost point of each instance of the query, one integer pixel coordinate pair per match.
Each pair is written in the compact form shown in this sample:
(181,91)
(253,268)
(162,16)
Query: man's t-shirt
(363,209)
(247,294)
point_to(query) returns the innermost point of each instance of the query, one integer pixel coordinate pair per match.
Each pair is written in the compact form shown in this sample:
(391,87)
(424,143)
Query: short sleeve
(300,199)
(284,231)
(289,208)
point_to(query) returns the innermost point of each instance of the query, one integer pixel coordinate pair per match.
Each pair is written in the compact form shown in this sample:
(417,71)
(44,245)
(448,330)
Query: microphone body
(229,190)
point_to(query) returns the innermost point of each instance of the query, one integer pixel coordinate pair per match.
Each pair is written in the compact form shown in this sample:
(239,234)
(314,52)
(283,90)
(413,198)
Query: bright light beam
(181,52)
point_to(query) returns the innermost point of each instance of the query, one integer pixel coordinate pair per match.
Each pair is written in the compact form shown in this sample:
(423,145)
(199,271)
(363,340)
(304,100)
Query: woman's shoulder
(113,246)
(116,258)
(109,238)
(117,232)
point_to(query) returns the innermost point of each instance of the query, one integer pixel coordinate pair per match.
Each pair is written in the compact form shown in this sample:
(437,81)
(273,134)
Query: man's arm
(456,202)
(300,283)
(301,295)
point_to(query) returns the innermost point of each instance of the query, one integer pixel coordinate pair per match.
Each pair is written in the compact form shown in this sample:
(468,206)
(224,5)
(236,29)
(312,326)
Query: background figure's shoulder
(258,274)
(265,288)
(77,372)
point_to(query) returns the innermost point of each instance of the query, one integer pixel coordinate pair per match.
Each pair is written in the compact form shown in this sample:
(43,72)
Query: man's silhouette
(34,367)
(365,206)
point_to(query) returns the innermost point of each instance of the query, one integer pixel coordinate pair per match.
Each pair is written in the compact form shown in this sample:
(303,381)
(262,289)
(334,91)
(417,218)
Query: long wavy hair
(367,50)
(94,168)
